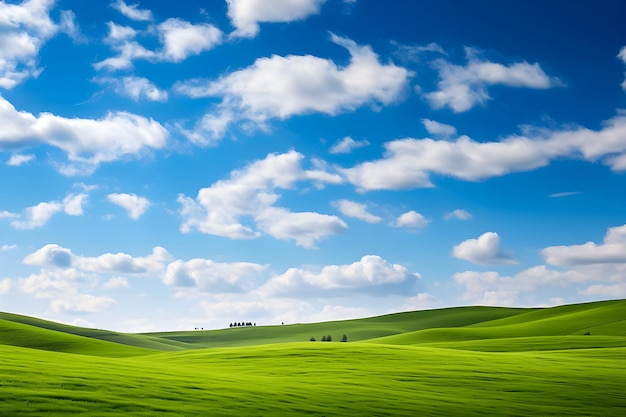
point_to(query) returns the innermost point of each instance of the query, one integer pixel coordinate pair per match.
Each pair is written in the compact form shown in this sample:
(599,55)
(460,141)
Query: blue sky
(177,165)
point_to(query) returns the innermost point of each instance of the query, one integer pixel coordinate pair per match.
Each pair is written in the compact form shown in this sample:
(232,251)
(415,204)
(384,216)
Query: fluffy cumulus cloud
(182,39)
(179,40)
(356,210)
(246,15)
(134,205)
(213,277)
(409,163)
(412,220)
(458,214)
(281,87)
(38,215)
(485,250)
(371,274)
(87,142)
(613,250)
(226,207)
(463,87)
(132,11)
(347,145)
(24,29)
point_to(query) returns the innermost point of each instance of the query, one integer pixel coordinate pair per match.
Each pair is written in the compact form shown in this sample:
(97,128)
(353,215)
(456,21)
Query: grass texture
(463,361)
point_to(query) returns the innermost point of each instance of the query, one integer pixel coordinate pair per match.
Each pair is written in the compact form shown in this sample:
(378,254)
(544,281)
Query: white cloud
(458,214)
(132,11)
(5,286)
(356,210)
(347,145)
(408,163)
(37,216)
(484,251)
(411,219)
(246,15)
(281,87)
(7,247)
(116,282)
(439,129)
(371,274)
(24,29)
(87,142)
(73,204)
(613,250)
(137,88)
(19,159)
(250,194)
(81,303)
(69,26)
(181,39)
(8,215)
(55,256)
(213,277)
(606,291)
(564,194)
(135,206)
(463,87)
(622,56)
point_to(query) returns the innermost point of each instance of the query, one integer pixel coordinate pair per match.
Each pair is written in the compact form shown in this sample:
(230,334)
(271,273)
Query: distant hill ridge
(468,328)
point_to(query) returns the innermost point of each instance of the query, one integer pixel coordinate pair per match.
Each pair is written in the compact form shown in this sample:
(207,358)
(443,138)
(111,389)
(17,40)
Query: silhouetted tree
(344,338)
(323,338)
(312,339)
(329,338)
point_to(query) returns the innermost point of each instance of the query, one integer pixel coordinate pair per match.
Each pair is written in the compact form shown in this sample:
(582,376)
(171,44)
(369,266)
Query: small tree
(329,338)
(312,339)
(344,338)
(323,338)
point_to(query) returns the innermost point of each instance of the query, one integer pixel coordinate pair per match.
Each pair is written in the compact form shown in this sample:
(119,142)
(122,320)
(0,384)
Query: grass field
(452,362)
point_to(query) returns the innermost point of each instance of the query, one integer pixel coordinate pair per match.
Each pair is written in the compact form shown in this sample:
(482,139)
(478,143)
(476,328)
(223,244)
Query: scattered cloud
(4,248)
(8,215)
(116,282)
(347,145)
(439,129)
(73,204)
(87,142)
(38,215)
(5,286)
(463,87)
(182,39)
(483,251)
(281,87)
(356,210)
(246,15)
(132,11)
(371,274)
(213,277)
(409,163)
(137,88)
(564,194)
(69,26)
(20,159)
(251,193)
(135,206)
(413,53)
(25,28)
(412,220)
(622,57)
(458,214)
(613,250)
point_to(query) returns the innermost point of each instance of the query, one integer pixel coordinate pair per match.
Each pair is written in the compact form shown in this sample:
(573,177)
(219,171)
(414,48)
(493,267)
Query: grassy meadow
(465,361)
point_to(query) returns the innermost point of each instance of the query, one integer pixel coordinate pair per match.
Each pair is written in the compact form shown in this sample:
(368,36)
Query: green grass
(472,361)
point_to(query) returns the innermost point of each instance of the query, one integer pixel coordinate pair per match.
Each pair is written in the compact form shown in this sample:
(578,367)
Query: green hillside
(469,361)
